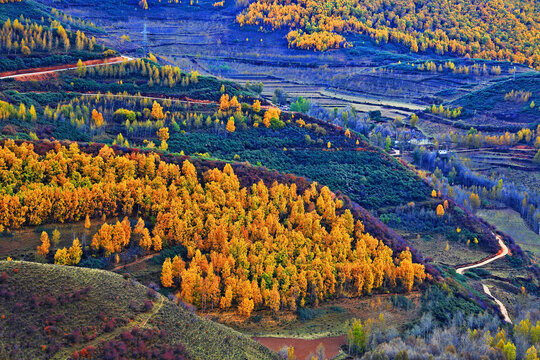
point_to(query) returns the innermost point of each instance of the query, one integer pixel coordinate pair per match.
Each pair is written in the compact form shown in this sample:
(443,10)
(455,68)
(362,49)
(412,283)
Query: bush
(401,302)
(306,314)
(256,318)
(94,263)
(169,253)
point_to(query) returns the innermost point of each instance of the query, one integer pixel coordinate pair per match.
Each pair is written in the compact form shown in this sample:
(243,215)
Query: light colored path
(501,306)
(140,322)
(138,261)
(502,253)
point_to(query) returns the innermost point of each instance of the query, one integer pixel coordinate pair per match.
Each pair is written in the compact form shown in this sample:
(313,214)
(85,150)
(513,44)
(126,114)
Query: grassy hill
(50,311)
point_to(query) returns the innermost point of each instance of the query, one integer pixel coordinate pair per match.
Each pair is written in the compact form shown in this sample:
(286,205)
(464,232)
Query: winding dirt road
(502,253)
(36,72)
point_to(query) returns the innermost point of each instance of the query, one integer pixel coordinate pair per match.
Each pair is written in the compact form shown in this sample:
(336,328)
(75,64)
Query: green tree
(357,338)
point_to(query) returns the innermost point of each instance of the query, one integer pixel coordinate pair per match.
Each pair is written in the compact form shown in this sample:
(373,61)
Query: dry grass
(37,318)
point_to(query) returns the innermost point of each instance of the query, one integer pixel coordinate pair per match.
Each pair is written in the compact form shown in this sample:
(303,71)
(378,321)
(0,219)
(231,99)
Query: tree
(509,351)
(97,118)
(531,354)
(474,200)
(290,353)
(234,104)
(25,50)
(440,210)
(301,105)
(178,266)
(224,102)
(157,243)
(406,272)
(226,300)
(32,113)
(246,307)
(157,111)
(279,97)
(166,273)
(256,106)
(414,120)
(145,241)
(536,158)
(163,134)
(87,222)
(229,231)
(387,144)
(230,125)
(274,299)
(81,69)
(75,252)
(61,257)
(271,114)
(357,338)
(43,249)
(55,236)
(139,227)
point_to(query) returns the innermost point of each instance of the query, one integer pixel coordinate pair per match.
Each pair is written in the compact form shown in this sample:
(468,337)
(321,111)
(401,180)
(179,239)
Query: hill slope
(50,311)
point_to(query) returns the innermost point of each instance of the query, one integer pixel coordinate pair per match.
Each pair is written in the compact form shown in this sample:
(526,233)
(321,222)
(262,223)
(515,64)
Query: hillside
(52,311)
(468,28)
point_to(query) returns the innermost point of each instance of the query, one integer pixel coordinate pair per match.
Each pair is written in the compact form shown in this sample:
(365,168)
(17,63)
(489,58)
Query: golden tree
(256,106)
(75,252)
(43,249)
(440,210)
(230,125)
(157,111)
(166,273)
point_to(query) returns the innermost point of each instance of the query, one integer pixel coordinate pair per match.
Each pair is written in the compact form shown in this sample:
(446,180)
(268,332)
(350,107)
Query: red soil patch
(303,348)
(37,77)
(522,147)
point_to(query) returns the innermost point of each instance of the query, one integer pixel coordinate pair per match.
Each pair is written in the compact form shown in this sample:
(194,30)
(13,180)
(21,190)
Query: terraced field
(368,77)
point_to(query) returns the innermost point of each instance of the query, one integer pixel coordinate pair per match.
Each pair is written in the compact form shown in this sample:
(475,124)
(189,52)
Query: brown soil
(37,77)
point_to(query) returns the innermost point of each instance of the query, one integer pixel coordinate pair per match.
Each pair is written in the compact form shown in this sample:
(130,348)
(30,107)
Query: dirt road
(502,253)
(37,72)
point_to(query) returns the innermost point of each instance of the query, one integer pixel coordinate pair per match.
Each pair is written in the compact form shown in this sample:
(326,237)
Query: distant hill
(58,312)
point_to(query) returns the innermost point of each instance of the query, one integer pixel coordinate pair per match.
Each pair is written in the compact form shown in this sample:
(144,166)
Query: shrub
(401,302)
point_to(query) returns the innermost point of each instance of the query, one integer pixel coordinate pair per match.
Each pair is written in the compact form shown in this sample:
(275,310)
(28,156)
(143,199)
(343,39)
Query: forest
(230,233)
(468,28)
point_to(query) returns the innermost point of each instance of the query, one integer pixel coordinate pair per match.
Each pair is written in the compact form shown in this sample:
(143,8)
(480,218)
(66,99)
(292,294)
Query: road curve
(502,253)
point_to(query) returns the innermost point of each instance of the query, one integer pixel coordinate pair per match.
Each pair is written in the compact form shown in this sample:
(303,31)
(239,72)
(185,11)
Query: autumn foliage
(504,30)
(247,247)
